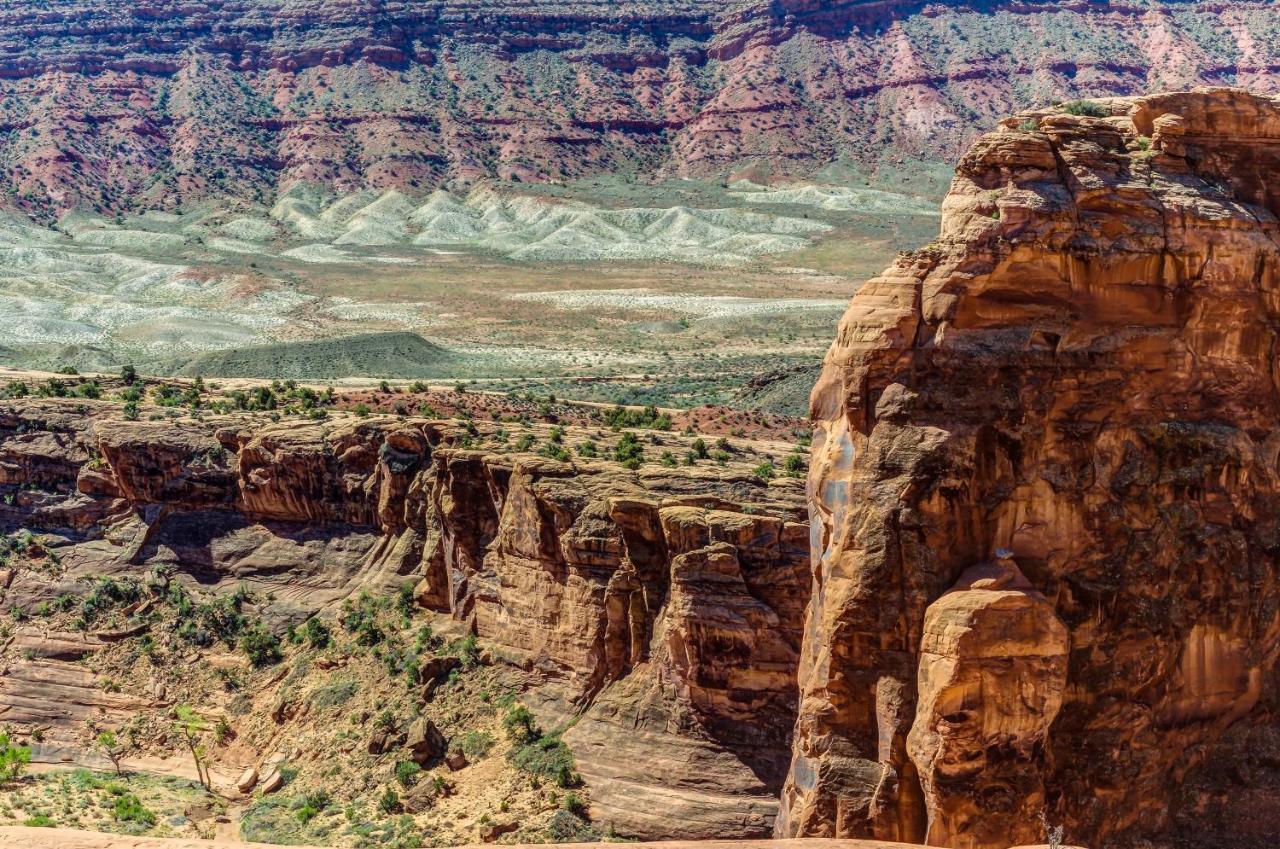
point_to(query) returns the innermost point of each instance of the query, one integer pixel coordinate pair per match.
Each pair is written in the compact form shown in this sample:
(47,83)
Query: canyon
(1030,587)
(655,613)
(113,109)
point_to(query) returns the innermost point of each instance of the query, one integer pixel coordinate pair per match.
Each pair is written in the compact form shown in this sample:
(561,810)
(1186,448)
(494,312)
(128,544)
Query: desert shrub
(520,725)
(129,808)
(309,804)
(794,466)
(260,645)
(360,618)
(109,593)
(466,650)
(407,773)
(568,827)
(13,758)
(629,452)
(548,757)
(316,633)
(475,744)
(333,694)
(270,820)
(620,417)
(220,618)
(1085,108)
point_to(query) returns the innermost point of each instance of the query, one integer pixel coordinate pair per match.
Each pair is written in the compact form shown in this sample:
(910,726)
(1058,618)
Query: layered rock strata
(659,610)
(1043,493)
(113,108)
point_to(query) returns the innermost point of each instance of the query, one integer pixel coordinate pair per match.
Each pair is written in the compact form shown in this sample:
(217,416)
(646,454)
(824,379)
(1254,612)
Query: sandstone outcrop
(661,609)
(1044,485)
(108,108)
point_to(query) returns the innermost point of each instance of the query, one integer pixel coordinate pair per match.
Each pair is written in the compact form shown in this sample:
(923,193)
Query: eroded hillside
(114,108)
(362,608)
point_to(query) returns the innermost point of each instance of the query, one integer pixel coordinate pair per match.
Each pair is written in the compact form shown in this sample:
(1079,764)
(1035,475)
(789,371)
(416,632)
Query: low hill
(367,355)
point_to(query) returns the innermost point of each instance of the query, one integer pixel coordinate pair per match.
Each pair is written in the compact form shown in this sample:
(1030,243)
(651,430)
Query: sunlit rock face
(1043,493)
(656,615)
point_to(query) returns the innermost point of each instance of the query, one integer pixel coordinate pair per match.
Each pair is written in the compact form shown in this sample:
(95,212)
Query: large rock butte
(1044,495)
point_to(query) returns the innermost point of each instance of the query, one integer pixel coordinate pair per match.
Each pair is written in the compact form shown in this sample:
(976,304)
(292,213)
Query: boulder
(424,741)
(490,833)
(272,781)
(434,671)
(379,742)
(247,780)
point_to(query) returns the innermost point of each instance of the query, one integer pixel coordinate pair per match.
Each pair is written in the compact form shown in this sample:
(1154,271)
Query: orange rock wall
(659,611)
(1044,488)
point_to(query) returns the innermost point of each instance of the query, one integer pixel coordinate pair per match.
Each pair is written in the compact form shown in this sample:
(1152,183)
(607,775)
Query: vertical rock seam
(1044,487)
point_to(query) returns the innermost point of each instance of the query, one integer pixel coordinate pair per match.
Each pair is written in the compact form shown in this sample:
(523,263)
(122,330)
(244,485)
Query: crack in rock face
(1043,491)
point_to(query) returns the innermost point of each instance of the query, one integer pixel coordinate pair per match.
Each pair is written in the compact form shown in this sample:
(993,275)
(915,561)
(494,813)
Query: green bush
(794,466)
(620,417)
(520,725)
(316,633)
(466,650)
(567,827)
(260,645)
(475,744)
(629,452)
(129,808)
(361,619)
(407,773)
(1086,108)
(13,758)
(548,757)
(307,806)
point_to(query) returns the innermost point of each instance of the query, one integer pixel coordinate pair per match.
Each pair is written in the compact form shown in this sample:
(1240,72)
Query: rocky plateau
(111,108)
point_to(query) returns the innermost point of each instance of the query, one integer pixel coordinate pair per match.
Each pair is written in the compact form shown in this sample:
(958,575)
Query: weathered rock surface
(663,607)
(425,742)
(107,107)
(1044,489)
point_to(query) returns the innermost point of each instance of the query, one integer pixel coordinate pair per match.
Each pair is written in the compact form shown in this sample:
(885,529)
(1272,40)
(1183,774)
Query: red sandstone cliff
(660,610)
(1044,491)
(114,107)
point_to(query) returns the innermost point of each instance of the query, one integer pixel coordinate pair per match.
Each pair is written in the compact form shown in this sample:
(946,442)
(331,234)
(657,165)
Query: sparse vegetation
(1086,108)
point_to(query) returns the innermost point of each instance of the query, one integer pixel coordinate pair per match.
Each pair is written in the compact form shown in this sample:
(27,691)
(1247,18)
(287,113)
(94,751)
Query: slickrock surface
(105,105)
(661,607)
(1044,497)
